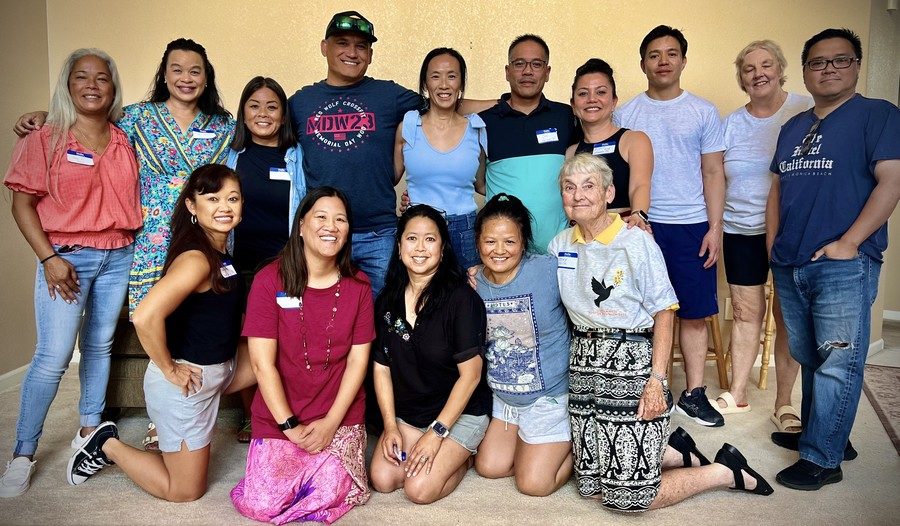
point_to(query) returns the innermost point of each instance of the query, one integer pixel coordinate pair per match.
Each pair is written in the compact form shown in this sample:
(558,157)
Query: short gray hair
(585,163)
(767,45)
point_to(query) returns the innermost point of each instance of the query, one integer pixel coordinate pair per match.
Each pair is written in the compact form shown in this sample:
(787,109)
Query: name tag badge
(548,135)
(74,156)
(286,302)
(567,260)
(279,174)
(227,269)
(604,148)
(198,133)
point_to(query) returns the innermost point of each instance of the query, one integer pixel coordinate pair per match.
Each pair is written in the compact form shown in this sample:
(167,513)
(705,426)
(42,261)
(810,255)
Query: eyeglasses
(807,143)
(536,64)
(818,64)
(349,23)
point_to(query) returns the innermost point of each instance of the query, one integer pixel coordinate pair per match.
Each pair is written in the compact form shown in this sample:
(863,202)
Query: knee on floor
(535,485)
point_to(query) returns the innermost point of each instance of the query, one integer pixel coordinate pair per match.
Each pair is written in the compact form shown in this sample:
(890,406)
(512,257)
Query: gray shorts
(543,422)
(468,431)
(185,418)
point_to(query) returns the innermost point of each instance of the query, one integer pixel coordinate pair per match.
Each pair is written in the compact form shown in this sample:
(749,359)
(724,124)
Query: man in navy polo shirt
(837,181)
(527,139)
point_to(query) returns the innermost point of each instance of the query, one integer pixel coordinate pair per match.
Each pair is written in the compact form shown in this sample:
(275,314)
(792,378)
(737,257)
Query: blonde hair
(587,164)
(767,45)
(61,114)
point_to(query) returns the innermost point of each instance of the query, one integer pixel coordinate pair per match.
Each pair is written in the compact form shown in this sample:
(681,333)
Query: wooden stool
(715,352)
(768,336)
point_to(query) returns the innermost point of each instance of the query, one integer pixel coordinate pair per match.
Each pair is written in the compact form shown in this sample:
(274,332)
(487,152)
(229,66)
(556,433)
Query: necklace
(82,138)
(328,329)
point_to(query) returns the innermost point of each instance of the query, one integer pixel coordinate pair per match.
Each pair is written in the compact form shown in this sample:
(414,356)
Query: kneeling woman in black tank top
(627,152)
(189,325)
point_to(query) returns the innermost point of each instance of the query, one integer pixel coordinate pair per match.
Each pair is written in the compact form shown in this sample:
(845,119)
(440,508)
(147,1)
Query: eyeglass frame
(833,63)
(525,63)
(351,21)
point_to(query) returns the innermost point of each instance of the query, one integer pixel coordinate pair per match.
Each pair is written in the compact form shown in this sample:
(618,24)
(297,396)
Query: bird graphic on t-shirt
(601,290)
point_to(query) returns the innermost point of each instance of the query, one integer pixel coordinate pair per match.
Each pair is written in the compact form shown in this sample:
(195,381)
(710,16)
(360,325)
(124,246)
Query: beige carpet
(868,495)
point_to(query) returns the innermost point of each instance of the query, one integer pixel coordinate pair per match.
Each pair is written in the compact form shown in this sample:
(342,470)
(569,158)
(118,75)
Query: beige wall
(281,39)
(24,84)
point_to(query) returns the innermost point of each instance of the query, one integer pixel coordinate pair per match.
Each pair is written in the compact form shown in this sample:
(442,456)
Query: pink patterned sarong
(285,483)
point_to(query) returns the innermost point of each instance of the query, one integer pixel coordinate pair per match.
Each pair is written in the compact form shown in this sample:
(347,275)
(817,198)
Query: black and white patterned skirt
(617,456)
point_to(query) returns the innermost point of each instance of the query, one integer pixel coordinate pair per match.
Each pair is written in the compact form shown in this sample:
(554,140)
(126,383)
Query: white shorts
(544,421)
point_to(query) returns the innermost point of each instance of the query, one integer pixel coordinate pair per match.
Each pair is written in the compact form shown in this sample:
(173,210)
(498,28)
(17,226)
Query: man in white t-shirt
(686,200)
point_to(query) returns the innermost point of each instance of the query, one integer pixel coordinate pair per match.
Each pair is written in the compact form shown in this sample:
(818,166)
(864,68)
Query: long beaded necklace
(329,329)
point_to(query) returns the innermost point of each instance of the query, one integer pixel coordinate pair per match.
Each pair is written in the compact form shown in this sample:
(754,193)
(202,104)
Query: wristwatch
(662,380)
(290,423)
(439,429)
(642,215)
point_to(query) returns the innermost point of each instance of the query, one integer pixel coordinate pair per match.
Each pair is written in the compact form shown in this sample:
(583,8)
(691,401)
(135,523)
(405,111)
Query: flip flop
(731,405)
(246,432)
(785,425)
(151,442)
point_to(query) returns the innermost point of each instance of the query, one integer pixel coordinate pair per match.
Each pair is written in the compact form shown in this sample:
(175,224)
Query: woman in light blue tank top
(443,152)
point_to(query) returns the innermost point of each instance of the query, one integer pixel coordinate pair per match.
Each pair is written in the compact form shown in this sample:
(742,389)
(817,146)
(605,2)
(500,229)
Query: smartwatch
(439,429)
(642,215)
(290,423)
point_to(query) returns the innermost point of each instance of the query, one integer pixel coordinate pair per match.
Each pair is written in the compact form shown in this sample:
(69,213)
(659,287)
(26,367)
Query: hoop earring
(193,219)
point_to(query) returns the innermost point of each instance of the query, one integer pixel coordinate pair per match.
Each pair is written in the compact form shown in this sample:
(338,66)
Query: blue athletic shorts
(694,285)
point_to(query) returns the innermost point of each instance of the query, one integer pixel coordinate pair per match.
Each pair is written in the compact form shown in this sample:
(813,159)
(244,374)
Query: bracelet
(53,255)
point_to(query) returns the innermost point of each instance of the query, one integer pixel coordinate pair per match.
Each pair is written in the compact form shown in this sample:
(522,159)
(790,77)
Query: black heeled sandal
(732,459)
(682,442)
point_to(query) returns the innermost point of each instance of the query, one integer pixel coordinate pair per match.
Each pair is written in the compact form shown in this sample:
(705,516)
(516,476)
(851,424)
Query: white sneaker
(79,440)
(17,477)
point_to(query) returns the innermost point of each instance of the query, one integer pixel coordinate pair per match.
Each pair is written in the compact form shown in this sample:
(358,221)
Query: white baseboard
(14,378)
(893,315)
(876,347)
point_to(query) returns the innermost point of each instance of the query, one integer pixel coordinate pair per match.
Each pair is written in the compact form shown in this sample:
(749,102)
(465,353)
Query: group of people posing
(529,339)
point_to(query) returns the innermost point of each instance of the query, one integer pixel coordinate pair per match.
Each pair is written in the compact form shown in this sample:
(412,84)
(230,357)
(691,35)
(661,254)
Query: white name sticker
(567,260)
(198,133)
(74,156)
(604,148)
(279,174)
(227,270)
(548,135)
(286,302)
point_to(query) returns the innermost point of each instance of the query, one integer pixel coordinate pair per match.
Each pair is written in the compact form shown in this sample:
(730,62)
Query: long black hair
(187,235)
(209,102)
(423,74)
(292,267)
(447,278)
(242,135)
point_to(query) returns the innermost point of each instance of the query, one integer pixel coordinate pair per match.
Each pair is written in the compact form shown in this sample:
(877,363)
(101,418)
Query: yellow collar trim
(606,236)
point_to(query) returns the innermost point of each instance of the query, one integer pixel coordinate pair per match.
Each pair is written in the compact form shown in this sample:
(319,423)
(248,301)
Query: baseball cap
(351,22)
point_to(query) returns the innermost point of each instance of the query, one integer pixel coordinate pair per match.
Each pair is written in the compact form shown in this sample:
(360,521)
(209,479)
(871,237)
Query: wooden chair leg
(768,337)
(718,350)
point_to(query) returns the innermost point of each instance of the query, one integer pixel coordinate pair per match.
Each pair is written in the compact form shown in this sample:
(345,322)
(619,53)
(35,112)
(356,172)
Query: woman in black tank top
(627,152)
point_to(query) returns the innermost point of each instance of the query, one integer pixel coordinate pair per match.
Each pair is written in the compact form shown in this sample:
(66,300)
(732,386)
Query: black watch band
(290,423)
(643,215)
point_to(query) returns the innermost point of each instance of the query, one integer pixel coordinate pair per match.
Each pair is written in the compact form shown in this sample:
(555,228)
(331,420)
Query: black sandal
(682,442)
(731,458)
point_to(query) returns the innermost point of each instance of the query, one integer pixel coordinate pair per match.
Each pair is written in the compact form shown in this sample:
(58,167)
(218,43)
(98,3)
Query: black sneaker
(697,407)
(90,458)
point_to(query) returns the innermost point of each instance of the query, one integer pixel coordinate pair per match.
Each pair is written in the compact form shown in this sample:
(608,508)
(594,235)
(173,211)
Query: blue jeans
(103,275)
(827,311)
(462,239)
(372,253)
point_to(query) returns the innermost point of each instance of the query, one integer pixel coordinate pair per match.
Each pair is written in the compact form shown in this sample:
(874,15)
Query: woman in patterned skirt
(614,285)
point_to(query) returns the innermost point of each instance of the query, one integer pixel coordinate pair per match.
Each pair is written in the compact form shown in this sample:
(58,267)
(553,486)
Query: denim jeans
(827,311)
(372,253)
(462,239)
(103,275)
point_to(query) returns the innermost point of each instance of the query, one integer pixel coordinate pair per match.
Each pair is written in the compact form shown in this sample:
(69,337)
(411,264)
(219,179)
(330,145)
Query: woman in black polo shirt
(429,370)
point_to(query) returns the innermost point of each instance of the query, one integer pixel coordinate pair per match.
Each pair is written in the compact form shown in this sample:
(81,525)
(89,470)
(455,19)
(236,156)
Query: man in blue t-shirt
(837,182)
(346,125)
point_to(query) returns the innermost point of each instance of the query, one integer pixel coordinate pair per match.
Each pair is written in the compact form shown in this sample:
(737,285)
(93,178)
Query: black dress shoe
(807,476)
(792,441)
(731,458)
(682,442)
